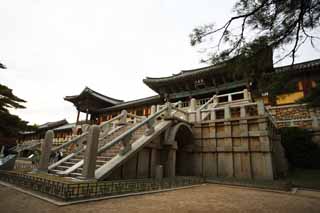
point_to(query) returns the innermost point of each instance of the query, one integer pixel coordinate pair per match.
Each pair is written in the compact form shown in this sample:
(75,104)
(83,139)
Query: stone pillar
(89,165)
(126,145)
(227,112)
(159,172)
(315,121)
(46,151)
(150,127)
(153,162)
(213,115)
(245,94)
(168,112)
(193,104)
(198,116)
(171,163)
(260,107)
(123,119)
(242,112)
(153,109)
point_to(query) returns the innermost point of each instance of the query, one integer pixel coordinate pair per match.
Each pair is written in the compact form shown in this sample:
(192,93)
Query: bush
(300,151)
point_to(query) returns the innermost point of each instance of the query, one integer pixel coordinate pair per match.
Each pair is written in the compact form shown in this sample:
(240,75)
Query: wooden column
(87,116)
(78,116)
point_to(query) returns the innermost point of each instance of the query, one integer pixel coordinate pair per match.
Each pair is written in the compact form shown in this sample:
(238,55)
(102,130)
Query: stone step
(75,174)
(54,171)
(68,163)
(64,167)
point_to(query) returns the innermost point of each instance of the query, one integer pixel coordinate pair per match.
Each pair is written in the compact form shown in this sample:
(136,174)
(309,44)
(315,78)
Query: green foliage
(272,22)
(10,124)
(8,99)
(313,97)
(300,151)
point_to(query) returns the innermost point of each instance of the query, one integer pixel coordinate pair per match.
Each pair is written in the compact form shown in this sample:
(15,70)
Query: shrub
(300,151)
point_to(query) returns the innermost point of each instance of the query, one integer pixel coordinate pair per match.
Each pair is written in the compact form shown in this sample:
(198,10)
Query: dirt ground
(205,198)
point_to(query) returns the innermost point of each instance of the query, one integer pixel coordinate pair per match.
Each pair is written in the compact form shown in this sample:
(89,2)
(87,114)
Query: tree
(10,124)
(276,23)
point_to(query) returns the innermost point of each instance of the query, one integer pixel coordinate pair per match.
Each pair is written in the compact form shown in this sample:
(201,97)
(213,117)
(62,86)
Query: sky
(56,48)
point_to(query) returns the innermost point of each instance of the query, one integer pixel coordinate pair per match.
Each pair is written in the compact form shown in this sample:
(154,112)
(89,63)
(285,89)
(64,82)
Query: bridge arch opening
(185,142)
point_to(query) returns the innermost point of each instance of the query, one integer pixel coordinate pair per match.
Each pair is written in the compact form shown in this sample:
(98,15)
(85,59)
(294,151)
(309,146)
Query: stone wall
(299,115)
(144,163)
(240,148)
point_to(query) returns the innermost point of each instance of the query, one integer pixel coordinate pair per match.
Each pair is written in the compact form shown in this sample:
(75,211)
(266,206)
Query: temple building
(202,84)
(206,122)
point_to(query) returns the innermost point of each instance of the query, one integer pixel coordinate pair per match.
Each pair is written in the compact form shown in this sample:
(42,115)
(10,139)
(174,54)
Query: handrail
(234,93)
(231,106)
(135,116)
(78,138)
(182,111)
(111,120)
(130,131)
(207,103)
(74,140)
(273,121)
(295,120)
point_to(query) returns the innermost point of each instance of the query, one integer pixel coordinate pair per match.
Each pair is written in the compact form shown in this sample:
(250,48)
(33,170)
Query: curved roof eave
(184,73)
(95,94)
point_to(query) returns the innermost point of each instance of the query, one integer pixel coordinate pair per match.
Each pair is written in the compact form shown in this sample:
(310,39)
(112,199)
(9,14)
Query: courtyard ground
(205,198)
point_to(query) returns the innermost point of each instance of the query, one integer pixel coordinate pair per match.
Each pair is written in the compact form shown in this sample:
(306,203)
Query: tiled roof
(95,94)
(307,65)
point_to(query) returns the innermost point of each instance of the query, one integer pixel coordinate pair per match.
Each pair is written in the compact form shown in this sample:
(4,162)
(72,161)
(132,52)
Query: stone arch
(181,139)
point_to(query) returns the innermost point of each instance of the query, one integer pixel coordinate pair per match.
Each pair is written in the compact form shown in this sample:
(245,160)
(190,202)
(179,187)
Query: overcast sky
(55,48)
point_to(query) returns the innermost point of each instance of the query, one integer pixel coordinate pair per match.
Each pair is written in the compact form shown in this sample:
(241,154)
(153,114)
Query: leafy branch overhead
(8,99)
(276,23)
(10,124)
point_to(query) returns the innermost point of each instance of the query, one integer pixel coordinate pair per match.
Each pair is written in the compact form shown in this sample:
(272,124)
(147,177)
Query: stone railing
(126,136)
(295,115)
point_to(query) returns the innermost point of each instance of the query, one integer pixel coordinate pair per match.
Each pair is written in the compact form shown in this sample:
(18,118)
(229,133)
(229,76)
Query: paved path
(205,198)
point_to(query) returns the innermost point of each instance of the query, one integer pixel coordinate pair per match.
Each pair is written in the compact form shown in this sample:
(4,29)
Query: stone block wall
(142,164)
(240,148)
(299,115)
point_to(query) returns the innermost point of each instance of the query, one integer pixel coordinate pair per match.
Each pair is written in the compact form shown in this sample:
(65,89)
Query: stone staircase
(115,147)
(107,155)
(71,161)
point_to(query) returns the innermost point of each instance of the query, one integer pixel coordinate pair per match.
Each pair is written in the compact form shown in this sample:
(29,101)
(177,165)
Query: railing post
(105,128)
(193,104)
(46,151)
(126,145)
(260,107)
(123,119)
(213,115)
(315,122)
(198,115)
(89,165)
(229,98)
(168,111)
(245,94)
(150,127)
(242,112)
(153,109)
(227,112)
